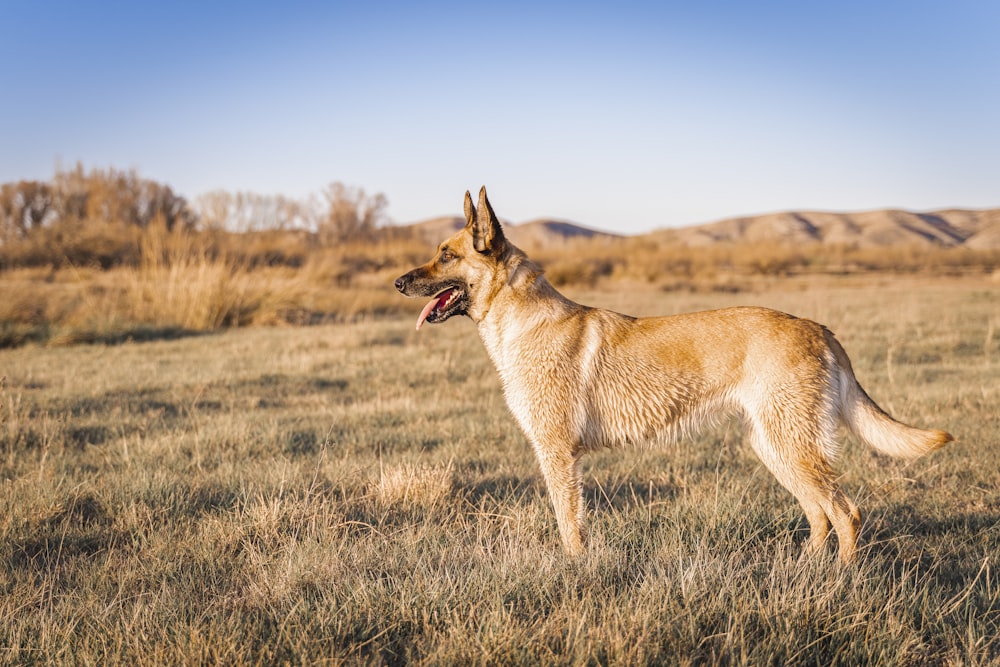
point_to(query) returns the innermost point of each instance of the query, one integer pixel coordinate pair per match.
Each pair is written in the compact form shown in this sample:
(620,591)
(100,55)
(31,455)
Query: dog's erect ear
(487,235)
(470,211)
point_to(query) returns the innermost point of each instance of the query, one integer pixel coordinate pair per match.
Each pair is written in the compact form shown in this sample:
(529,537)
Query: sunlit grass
(359,492)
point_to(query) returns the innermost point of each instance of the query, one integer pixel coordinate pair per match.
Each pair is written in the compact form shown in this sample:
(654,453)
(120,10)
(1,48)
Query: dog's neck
(524,305)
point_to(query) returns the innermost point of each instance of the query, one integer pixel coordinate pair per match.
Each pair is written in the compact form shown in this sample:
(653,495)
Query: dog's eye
(448,256)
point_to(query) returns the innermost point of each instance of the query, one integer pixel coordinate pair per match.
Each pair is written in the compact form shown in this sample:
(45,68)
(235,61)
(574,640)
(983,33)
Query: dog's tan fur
(578,378)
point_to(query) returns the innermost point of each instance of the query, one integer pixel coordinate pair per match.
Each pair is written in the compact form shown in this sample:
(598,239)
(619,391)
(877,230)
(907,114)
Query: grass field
(359,493)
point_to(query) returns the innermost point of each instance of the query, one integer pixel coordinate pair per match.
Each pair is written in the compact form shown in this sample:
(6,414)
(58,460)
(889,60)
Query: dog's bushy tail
(873,425)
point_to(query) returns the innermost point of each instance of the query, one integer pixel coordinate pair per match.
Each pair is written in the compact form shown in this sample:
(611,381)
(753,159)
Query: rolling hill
(543,232)
(887,227)
(971,228)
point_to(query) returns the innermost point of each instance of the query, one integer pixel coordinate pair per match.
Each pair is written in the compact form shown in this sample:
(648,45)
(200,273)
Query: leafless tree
(350,214)
(25,205)
(251,212)
(114,196)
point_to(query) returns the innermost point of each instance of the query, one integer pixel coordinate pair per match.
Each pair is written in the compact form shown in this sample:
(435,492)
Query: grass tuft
(410,486)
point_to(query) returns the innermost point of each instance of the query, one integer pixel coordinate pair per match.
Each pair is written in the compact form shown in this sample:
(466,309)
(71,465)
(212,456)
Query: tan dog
(579,378)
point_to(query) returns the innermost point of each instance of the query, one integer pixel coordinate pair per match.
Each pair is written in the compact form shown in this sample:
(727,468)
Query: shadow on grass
(81,527)
(503,489)
(949,548)
(620,495)
(135,334)
(907,520)
(17,334)
(140,401)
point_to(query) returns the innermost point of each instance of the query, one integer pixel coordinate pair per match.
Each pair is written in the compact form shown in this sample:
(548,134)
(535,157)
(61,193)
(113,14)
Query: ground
(359,492)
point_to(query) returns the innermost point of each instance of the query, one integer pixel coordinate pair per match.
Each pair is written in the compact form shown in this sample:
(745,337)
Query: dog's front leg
(561,470)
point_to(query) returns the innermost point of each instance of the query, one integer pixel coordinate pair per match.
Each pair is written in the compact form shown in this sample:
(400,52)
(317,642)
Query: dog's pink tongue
(426,311)
(437,302)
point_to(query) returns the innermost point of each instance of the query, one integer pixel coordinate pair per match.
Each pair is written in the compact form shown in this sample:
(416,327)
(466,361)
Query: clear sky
(624,116)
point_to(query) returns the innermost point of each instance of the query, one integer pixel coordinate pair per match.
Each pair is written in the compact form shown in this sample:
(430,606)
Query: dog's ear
(470,211)
(487,236)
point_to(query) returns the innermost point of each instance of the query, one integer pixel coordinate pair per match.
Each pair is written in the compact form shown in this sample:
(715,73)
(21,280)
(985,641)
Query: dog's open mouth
(451,301)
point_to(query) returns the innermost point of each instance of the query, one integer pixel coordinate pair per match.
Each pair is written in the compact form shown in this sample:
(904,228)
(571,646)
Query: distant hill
(546,233)
(536,233)
(954,227)
(435,230)
(971,228)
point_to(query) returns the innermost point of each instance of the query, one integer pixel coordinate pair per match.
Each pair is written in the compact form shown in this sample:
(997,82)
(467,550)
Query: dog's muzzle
(449,298)
(403,282)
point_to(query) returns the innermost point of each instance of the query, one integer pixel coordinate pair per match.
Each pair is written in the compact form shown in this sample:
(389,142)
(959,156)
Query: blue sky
(624,116)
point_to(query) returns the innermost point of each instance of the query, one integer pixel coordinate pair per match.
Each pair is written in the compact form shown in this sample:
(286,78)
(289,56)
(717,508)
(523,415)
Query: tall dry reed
(178,283)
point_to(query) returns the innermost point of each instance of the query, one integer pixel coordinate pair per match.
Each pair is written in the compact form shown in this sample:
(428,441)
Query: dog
(578,378)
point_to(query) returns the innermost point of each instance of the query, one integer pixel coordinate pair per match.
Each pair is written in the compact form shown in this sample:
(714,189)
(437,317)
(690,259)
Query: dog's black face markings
(451,297)
(454,298)
(451,301)
(451,294)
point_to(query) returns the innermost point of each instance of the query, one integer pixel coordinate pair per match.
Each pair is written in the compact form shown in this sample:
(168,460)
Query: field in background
(185,283)
(358,491)
(105,256)
(182,282)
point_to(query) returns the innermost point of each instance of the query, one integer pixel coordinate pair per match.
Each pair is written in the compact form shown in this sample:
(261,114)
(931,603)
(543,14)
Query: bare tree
(121,197)
(214,210)
(251,212)
(24,206)
(351,214)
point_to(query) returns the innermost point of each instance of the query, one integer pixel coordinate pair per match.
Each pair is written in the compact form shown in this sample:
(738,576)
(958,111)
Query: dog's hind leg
(561,470)
(795,456)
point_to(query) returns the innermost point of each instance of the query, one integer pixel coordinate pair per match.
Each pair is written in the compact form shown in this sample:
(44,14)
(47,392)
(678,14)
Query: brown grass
(185,285)
(359,493)
(414,485)
(183,281)
(655,260)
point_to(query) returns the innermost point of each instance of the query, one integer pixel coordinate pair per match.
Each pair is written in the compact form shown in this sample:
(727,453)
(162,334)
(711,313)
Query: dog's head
(462,275)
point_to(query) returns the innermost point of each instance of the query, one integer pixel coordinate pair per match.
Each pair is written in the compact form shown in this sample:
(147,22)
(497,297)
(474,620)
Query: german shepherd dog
(578,378)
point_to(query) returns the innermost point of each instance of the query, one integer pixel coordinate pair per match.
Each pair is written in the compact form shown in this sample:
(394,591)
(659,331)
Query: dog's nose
(400,283)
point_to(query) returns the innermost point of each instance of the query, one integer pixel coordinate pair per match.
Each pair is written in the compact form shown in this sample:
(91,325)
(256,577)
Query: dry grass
(183,286)
(657,260)
(358,493)
(414,486)
(181,282)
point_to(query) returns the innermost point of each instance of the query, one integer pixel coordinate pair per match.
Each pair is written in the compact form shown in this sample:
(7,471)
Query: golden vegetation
(411,486)
(107,255)
(359,493)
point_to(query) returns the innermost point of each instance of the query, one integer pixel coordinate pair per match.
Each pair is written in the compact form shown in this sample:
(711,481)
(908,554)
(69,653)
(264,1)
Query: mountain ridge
(971,228)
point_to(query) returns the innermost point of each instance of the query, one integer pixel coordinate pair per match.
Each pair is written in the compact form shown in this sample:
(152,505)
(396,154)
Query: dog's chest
(544,372)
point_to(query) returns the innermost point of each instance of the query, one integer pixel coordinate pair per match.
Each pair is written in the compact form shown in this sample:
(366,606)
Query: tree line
(99,217)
